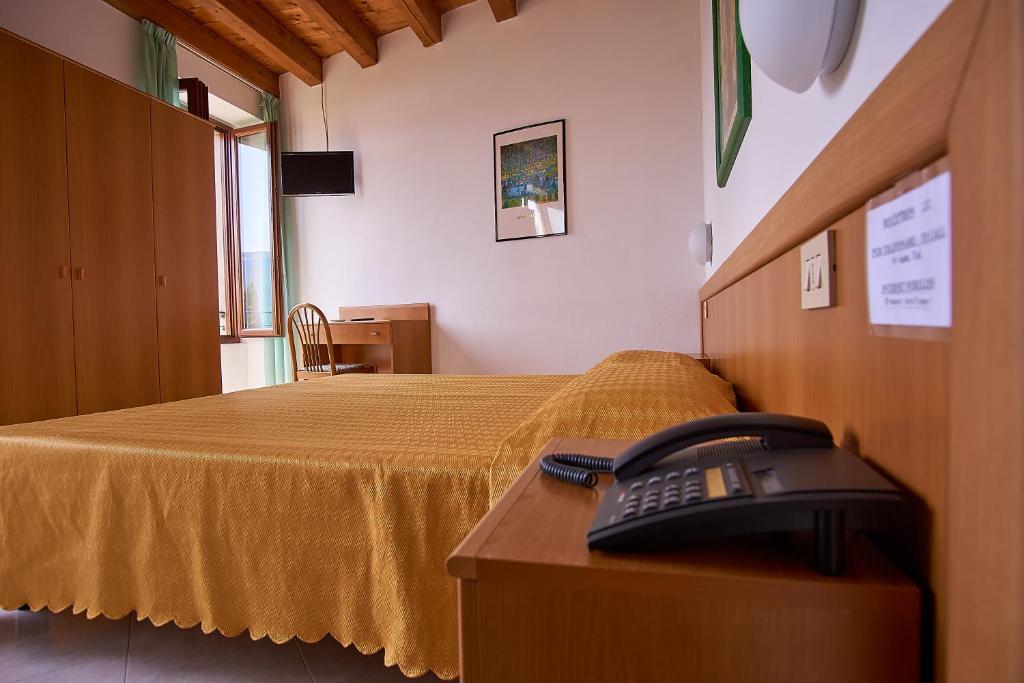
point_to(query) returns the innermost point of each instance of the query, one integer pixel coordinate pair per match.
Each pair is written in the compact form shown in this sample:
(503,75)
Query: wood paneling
(111,215)
(186,255)
(945,417)
(986,428)
(901,126)
(885,398)
(536,605)
(200,37)
(37,358)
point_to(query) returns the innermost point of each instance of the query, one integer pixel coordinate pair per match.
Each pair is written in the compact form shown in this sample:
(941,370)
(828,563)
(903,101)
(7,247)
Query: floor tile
(331,662)
(169,653)
(43,646)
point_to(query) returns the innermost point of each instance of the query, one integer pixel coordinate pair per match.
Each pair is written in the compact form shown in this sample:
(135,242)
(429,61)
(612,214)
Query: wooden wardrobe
(108,266)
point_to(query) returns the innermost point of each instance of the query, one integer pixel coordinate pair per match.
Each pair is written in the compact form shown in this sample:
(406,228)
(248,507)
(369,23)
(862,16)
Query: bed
(321,508)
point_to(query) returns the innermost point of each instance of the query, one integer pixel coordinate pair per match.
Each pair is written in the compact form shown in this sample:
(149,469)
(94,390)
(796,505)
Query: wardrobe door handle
(80,273)
(161,280)
(65,271)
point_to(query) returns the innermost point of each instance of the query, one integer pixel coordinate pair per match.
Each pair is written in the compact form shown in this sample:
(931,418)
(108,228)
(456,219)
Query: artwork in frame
(529,182)
(732,86)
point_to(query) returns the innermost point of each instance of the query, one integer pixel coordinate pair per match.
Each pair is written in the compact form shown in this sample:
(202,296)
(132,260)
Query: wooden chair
(309,324)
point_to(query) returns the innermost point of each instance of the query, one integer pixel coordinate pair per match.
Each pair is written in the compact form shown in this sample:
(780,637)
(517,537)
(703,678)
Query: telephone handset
(778,432)
(728,475)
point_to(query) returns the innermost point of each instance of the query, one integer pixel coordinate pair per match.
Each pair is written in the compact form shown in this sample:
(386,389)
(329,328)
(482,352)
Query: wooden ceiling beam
(191,32)
(249,19)
(424,18)
(503,9)
(345,27)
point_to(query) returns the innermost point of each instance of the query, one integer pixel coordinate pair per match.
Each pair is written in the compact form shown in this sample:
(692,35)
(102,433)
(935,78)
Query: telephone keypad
(681,488)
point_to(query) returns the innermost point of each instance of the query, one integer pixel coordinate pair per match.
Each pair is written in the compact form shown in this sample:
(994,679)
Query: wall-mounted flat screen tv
(317,173)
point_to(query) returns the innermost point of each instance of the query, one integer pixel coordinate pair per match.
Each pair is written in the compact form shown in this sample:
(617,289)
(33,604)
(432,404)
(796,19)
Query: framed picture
(732,85)
(529,182)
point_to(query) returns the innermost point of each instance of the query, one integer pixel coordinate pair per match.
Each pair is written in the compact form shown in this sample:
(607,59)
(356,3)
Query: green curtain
(159,63)
(270,108)
(276,358)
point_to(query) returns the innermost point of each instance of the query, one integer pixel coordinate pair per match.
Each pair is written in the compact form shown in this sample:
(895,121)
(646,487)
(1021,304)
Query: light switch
(817,271)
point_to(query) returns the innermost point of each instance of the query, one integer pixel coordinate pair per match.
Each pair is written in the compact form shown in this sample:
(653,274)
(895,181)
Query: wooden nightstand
(536,605)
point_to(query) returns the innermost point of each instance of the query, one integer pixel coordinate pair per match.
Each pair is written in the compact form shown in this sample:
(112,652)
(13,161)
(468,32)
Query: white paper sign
(910,278)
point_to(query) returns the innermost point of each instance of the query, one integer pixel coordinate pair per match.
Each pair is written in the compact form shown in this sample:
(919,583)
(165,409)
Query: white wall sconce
(793,41)
(700,243)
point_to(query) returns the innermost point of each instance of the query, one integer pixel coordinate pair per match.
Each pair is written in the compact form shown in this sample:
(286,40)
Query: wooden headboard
(945,418)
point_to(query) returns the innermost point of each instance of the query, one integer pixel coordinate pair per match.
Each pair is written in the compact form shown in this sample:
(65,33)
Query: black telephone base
(830,542)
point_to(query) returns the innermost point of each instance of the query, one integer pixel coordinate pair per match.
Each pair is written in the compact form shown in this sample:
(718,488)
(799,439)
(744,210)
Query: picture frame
(530,182)
(733,109)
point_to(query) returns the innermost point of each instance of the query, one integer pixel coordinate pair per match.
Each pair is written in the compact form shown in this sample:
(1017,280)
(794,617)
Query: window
(248,232)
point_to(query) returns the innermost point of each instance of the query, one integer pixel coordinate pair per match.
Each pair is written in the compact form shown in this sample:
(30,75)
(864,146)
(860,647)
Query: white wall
(243,365)
(421,227)
(90,32)
(788,130)
(93,33)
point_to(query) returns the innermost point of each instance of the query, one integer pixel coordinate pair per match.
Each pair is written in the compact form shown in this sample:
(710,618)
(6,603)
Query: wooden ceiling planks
(424,18)
(503,9)
(258,39)
(345,28)
(248,18)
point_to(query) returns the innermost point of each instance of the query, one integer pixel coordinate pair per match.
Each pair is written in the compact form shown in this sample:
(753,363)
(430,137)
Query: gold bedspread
(327,507)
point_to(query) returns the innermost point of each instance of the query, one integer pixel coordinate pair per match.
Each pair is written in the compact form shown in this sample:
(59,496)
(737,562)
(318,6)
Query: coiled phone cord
(575,468)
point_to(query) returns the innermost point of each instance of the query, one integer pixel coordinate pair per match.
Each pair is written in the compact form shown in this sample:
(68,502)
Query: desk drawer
(362,333)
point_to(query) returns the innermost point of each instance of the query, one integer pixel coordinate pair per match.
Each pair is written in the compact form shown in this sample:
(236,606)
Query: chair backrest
(309,325)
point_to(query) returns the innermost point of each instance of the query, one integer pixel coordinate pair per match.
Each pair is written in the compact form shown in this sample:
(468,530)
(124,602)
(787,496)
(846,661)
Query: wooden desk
(535,604)
(397,340)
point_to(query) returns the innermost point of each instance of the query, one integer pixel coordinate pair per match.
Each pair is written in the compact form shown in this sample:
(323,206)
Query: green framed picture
(732,86)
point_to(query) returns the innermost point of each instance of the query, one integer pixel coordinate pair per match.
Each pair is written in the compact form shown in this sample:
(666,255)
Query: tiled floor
(43,647)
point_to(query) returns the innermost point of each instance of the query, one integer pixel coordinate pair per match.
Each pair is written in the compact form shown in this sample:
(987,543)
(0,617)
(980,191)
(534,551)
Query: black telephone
(696,481)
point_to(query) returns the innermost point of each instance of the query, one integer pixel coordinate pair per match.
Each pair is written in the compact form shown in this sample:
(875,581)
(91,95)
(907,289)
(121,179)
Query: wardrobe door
(37,360)
(110,184)
(184,210)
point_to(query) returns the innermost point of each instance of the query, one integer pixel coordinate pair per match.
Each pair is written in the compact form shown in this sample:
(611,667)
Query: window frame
(233,237)
(230,246)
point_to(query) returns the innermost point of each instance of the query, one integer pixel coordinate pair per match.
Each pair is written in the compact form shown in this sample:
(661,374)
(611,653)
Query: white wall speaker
(793,41)
(700,243)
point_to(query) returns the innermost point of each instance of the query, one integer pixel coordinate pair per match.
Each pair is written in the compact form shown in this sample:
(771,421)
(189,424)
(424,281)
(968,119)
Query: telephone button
(733,478)
(691,471)
(629,512)
(654,480)
(671,500)
(690,497)
(636,485)
(672,475)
